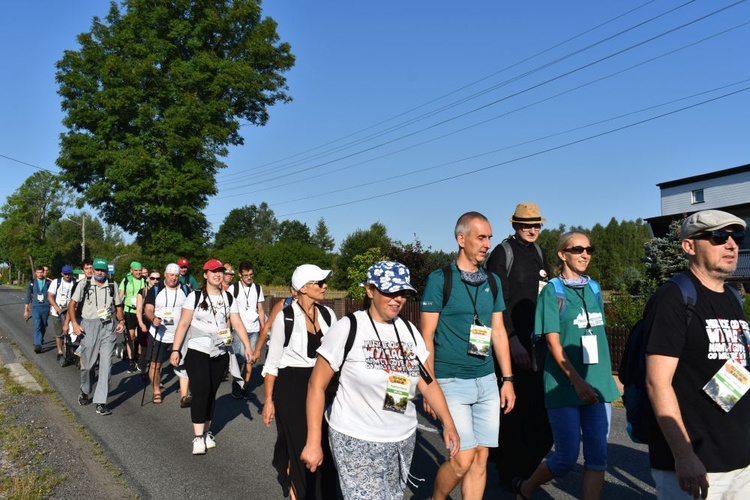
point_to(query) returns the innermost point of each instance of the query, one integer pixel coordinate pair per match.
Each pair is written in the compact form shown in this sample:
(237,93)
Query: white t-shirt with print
(357,410)
(210,320)
(247,299)
(62,297)
(167,300)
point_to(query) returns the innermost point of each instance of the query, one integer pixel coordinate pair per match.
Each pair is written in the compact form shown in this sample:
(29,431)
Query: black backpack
(289,321)
(86,287)
(632,373)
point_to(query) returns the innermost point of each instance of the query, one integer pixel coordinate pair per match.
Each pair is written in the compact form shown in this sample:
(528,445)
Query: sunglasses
(320,283)
(720,236)
(154,278)
(531,226)
(578,250)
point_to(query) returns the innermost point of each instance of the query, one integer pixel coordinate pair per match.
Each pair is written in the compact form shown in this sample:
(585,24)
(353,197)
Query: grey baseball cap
(708,220)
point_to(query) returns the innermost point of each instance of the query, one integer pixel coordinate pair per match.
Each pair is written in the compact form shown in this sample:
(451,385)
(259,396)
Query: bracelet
(509,378)
(175,350)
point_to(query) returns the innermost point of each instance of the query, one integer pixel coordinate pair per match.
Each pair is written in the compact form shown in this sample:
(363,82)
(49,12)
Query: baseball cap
(213,265)
(136,265)
(182,262)
(172,269)
(100,265)
(306,273)
(708,220)
(389,276)
(66,269)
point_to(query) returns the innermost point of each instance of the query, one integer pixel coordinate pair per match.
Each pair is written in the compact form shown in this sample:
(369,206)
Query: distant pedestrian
(186,278)
(59,294)
(249,297)
(37,306)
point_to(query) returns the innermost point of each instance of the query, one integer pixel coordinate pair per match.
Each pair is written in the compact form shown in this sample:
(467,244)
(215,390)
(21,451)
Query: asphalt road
(151,444)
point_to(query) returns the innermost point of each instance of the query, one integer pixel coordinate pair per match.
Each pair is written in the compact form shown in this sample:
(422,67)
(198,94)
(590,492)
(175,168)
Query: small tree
(357,272)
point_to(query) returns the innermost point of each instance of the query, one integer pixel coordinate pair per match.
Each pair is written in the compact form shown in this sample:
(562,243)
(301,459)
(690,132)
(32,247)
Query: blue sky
(397,103)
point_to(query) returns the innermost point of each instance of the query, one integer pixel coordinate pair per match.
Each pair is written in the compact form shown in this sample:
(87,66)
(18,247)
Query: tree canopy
(356,243)
(153,98)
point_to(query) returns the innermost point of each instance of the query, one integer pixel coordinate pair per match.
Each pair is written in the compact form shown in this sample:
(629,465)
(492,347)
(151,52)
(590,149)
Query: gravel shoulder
(45,453)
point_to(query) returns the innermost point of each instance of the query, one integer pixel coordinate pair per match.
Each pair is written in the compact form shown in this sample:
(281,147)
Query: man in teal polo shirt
(464,333)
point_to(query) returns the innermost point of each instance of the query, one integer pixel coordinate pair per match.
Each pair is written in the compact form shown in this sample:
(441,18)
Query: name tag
(728,385)
(103,314)
(480,340)
(225,336)
(168,318)
(397,393)
(590,350)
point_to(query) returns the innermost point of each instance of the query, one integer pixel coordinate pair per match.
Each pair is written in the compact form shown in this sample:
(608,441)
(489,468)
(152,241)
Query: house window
(697,196)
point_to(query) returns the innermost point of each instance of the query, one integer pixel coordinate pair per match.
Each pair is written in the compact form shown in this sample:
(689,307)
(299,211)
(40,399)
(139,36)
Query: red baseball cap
(213,265)
(182,262)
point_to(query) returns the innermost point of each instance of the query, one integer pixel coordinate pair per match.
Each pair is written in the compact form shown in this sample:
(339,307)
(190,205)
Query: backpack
(509,255)
(198,298)
(236,287)
(539,349)
(86,287)
(289,321)
(632,372)
(448,284)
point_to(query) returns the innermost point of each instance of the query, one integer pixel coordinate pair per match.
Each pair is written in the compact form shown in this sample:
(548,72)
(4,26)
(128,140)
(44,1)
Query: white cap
(306,273)
(172,269)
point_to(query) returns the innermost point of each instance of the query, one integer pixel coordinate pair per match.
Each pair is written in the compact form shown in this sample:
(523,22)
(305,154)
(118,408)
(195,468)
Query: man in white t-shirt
(249,297)
(59,293)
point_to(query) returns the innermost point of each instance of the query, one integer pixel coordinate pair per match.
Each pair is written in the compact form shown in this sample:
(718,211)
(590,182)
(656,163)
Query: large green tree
(356,243)
(153,98)
(322,238)
(28,214)
(293,230)
(257,224)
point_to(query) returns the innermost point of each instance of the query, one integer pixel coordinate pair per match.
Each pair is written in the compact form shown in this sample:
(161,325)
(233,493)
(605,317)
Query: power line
(524,157)
(287,182)
(257,182)
(456,90)
(27,164)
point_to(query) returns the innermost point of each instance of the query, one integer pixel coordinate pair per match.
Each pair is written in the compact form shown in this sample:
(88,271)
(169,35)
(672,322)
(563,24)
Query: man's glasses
(720,236)
(529,227)
(578,250)
(245,275)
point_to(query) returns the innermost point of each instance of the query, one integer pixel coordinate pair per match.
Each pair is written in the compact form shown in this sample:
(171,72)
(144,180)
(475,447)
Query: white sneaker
(199,446)
(210,441)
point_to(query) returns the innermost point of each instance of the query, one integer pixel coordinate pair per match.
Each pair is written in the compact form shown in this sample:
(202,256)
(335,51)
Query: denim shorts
(474,404)
(239,347)
(568,425)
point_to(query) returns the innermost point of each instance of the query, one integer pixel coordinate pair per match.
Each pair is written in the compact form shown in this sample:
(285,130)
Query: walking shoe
(185,401)
(132,368)
(236,391)
(199,446)
(247,393)
(210,441)
(103,410)
(37,349)
(118,351)
(83,399)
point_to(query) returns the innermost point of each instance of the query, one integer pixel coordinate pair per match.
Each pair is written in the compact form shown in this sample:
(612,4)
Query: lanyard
(582,296)
(213,310)
(473,302)
(166,298)
(312,319)
(247,295)
(382,346)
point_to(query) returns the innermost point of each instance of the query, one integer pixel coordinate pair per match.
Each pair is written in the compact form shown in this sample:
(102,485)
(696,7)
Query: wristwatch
(509,378)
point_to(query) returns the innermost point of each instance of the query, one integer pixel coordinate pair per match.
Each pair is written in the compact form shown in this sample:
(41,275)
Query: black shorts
(158,352)
(131,321)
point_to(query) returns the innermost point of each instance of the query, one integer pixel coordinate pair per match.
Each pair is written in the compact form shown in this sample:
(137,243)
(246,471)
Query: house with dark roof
(727,190)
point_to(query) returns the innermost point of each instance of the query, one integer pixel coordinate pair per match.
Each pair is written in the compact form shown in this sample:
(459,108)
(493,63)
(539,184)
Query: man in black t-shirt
(701,444)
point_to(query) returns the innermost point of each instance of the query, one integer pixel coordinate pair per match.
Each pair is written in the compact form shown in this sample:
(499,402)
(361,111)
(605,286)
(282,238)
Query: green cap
(136,265)
(100,264)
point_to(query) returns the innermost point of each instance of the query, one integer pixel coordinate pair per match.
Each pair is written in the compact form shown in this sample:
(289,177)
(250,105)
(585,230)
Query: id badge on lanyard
(480,340)
(728,385)
(590,349)
(397,392)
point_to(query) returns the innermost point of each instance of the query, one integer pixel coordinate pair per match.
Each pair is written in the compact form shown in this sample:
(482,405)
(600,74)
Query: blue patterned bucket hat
(389,277)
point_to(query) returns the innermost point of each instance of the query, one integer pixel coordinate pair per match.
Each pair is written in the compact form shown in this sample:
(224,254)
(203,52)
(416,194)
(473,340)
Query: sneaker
(132,368)
(199,446)
(236,391)
(185,401)
(37,349)
(118,351)
(103,410)
(210,441)
(83,399)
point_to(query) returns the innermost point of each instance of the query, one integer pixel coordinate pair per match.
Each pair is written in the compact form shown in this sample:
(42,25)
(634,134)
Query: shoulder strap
(349,338)
(508,255)
(230,299)
(288,312)
(562,301)
(447,283)
(493,285)
(197,299)
(57,288)
(257,289)
(185,289)
(235,289)
(323,310)
(689,293)
(539,252)
(597,289)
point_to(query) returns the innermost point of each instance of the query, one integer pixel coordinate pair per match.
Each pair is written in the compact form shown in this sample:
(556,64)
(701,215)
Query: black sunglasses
(720,236)
(578,250)
(154,278)
(320,283)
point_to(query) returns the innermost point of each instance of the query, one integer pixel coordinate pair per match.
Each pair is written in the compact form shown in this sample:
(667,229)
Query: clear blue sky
(399,96)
